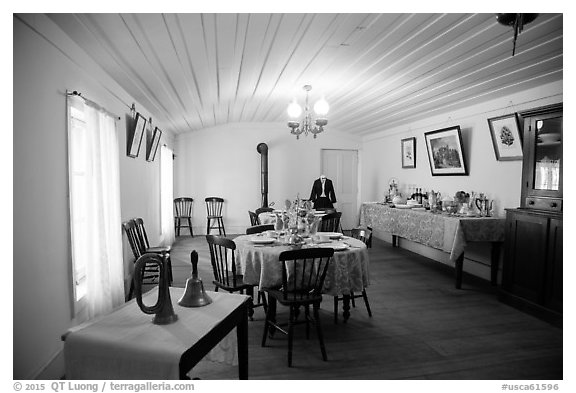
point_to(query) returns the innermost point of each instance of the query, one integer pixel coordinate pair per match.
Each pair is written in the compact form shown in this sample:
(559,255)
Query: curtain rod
(94,104)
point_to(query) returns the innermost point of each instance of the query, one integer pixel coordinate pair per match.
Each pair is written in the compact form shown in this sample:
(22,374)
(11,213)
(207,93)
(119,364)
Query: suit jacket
(328,190)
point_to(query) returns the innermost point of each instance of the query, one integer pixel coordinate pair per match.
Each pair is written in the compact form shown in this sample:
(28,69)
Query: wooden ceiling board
(195,71)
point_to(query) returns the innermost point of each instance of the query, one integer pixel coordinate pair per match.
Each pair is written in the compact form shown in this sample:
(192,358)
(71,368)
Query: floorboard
(422,328)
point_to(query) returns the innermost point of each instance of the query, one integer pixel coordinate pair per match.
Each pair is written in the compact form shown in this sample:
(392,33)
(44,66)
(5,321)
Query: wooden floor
(422,328)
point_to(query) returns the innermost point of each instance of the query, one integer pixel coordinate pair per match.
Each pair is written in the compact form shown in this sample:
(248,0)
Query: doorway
(341,166)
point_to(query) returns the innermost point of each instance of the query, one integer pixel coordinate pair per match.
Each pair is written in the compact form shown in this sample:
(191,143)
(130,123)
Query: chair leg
(290,336)
(307,316)
(319,330)
(207,226)
(190,226)
(250,292)
(221,223)
(265,330)
(335,309)
(365,296)
(352,298)
(262,299)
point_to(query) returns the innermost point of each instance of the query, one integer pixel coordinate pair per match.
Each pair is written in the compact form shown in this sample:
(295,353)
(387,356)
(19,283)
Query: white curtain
(166,196)
(95,209)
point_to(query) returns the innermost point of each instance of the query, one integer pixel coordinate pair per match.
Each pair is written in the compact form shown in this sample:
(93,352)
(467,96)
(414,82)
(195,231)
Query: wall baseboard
(53,370)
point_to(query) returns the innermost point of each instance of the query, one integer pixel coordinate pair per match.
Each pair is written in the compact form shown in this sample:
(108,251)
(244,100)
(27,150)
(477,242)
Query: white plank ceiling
(194,71)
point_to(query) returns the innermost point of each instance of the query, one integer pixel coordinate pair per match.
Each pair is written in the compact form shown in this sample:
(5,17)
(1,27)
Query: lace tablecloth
(349,270)
(440,231)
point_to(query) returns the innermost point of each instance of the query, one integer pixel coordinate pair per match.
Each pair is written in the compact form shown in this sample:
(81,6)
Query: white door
(341,166)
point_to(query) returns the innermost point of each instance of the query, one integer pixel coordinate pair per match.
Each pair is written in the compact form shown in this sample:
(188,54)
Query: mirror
(548,154)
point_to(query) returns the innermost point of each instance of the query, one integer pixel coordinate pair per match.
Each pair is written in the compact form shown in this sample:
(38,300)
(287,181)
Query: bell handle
(139,266)
(194,260)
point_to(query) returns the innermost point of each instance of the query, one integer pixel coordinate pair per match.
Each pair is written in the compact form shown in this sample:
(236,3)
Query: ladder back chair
(259,229)
(183,214)
(163,251)
(330,222)
(365,235)
(214,215)
(303,274)
(151,273)
(223,260)
(254,220)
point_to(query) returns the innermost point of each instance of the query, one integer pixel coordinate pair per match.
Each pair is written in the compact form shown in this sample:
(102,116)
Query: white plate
(420,209)
(403,206)
(331,235)
(339,246)
(262,240)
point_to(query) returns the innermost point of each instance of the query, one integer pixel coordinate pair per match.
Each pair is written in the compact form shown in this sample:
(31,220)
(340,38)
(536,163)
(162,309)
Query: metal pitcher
(484,206)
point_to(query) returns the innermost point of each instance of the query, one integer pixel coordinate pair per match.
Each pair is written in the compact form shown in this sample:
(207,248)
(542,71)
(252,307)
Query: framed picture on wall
(152,144)
(506,138)
(445,152)
(135,134)
(408,152)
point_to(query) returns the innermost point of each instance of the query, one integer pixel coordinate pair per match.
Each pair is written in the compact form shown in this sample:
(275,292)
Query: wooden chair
(183,212)
(214,213)
(365,235)
(259,229)
(254,220)
(163,251)
(303,274)
(222,257)
(330,222)
(151,274)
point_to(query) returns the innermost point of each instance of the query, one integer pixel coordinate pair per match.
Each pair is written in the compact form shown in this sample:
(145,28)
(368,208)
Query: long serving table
(441,231)
(348,272)
(125,344)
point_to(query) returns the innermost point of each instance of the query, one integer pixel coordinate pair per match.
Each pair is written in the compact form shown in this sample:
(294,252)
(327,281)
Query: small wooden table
(125,344)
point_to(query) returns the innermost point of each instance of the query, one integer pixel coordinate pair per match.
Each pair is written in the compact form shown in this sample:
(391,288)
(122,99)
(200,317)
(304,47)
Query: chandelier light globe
(308,124)
(321,107)
(294,110)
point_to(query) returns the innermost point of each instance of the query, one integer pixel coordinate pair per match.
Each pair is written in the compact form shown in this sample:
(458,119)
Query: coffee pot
(484,205)
(163,310)
(194,294)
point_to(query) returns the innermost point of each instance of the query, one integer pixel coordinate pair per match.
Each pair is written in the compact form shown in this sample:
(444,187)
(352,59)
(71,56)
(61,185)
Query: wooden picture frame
(135,133)
(446,152)
(152,144)
(408,152)
(506,137)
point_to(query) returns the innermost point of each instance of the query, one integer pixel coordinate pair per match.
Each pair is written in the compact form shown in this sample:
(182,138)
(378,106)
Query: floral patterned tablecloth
(441,231)
(349,270)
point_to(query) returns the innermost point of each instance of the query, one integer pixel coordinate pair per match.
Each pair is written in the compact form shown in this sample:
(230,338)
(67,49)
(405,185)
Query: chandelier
(294,111)
(517,21)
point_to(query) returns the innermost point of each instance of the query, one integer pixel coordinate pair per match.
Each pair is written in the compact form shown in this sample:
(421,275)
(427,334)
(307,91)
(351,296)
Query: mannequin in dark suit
(322,194)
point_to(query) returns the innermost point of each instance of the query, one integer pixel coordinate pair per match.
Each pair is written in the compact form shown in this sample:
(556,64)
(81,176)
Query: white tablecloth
(349,270)
(127,345)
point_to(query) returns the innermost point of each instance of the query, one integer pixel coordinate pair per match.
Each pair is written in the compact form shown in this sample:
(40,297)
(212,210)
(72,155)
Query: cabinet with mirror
(532,272)
(542,167)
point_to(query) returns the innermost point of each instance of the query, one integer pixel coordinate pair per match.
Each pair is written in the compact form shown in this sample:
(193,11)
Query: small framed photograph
(506,138)
(409,153)
(135,134)
(152,144)
(445,152)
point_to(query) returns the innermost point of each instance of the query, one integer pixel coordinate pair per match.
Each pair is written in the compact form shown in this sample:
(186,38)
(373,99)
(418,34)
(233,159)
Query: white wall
(223,161)
(41,262)
(500,180)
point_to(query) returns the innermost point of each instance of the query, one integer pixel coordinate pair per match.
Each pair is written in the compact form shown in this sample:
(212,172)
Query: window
(94,197)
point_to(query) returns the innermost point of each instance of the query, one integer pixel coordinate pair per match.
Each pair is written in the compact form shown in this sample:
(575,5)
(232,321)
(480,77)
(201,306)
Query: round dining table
(258,259)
